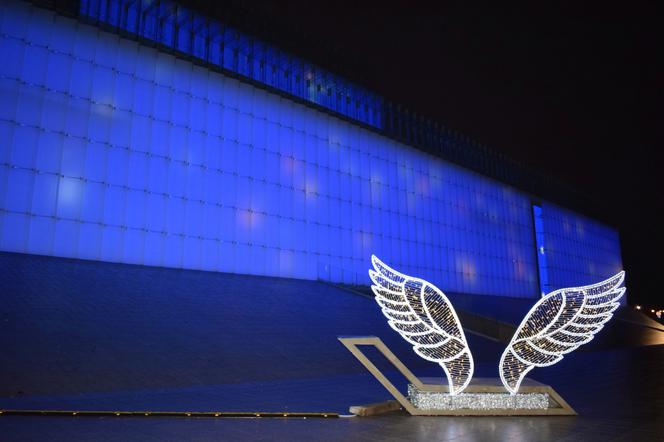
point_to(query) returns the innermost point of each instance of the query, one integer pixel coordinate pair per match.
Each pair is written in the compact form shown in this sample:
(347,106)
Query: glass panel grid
(144,158)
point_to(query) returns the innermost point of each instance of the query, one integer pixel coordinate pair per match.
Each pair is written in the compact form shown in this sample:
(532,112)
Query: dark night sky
(571,89)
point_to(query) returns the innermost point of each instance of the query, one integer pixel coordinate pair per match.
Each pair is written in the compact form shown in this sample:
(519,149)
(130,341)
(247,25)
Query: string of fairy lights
(424,317)
(557,324)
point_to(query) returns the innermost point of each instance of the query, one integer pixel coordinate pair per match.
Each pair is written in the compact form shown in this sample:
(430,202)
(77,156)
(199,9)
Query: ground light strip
(212,414)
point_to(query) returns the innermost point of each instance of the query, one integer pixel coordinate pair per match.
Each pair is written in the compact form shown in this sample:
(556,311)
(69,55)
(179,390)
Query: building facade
(138,132)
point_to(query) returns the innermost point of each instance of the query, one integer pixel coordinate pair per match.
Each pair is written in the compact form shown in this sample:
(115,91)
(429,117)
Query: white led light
(557,324)
(436,400)
(423,316)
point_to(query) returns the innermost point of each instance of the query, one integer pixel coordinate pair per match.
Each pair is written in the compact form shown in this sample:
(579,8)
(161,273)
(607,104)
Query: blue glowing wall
(578,250)
(540,241)
(115,151)
(181,29)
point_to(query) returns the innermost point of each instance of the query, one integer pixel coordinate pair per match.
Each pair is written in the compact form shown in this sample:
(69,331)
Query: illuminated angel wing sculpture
(423,315)
(559,323)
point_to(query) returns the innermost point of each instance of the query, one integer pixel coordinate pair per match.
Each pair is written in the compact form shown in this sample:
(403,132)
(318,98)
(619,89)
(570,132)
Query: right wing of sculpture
(559,323)
(423,316)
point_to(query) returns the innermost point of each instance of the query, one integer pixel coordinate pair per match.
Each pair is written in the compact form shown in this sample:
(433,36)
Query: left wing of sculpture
(424,317)
(559,323)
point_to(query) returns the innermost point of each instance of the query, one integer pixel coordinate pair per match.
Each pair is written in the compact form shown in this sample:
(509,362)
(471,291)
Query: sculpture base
(486,397)
(430,396)
(433,400)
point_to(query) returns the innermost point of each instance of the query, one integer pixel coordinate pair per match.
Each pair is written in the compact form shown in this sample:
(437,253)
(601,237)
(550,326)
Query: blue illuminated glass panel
(579,250)
(115,151)
(178,28)
(543,269)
